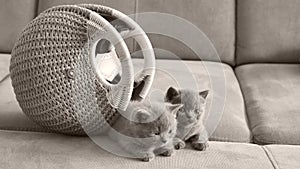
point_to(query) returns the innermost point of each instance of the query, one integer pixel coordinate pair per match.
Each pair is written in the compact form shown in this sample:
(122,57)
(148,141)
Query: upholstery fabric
(268,31)
(4,62)
(44,150)
(215,18)
(271,93)
(284,156)
(188,74)
(14,15)
(194,75)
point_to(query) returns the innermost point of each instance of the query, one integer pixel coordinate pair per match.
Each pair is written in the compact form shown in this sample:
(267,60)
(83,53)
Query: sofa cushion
(271,93)
(268,31)
(184,74)
(199,75)
(284,156)
(4,62)
(215,18)
(14,15)
(44,150)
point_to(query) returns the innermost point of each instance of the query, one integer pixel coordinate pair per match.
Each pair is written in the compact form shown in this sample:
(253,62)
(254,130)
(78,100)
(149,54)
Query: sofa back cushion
(216,18)
(268,31)
(14,15)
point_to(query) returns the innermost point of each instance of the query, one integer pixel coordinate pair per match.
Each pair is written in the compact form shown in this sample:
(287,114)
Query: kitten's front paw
(200,146)
(148,157)
(179,145)
(168,153)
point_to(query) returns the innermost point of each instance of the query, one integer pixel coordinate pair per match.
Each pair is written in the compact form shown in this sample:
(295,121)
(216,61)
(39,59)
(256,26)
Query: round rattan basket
(54,72)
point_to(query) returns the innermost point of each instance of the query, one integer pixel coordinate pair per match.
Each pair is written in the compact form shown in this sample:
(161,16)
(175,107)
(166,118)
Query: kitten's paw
(168,153)
(148,157)
(179,145)
(200,146)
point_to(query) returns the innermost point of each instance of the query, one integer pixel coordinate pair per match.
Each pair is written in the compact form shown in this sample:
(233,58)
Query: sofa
(258,42)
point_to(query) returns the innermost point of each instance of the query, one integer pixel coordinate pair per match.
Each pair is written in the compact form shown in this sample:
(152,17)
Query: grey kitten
(149,131)
(190,117)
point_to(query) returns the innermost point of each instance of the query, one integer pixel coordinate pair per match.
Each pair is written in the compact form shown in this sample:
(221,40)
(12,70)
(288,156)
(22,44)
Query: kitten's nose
(189,116)
(164,140)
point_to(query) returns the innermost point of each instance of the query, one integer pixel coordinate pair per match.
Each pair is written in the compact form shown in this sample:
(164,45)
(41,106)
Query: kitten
(149,131)
(190,117)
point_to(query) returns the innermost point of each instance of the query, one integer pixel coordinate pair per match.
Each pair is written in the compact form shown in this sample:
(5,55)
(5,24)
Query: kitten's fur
(150,130)
(190,117)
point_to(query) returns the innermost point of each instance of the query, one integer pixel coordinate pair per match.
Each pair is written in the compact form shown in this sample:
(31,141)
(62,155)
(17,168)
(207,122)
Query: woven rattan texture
(52,75)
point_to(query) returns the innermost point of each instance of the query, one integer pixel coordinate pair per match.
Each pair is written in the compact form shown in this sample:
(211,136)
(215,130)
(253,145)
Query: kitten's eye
(157,133)
(170,131)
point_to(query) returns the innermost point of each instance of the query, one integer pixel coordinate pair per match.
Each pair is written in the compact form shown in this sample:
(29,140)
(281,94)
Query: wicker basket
(54,72)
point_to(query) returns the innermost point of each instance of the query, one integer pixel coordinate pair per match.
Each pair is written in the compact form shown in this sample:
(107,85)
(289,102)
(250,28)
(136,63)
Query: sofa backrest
(14,15)
(214,17)
(268,31)
(262,30)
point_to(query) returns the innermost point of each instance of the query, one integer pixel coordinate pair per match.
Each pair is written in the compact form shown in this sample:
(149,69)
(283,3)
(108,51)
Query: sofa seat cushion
(271,93)
(30,150)
(199,76)
(4,61)
(284,156)
(185,74)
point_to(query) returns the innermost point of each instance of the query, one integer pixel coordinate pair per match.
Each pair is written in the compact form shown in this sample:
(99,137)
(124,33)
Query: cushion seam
(271,157)
(245,106)
(262,141)
(226,139)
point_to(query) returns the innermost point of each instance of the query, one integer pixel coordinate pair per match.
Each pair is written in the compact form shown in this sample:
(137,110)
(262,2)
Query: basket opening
(108,62)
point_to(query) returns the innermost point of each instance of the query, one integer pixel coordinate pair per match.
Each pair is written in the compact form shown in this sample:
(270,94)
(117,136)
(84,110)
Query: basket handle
(119,94)
(135,31)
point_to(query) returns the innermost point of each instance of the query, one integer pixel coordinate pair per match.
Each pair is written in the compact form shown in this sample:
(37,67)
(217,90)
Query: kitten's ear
(141,115)
(171,94)
(174,108)
(204,93)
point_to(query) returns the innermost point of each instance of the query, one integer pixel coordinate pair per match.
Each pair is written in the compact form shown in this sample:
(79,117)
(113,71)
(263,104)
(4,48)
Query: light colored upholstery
(214,17)
(271,93)
(14,15)
(28,150)
(4,62)
(194,75)
(268,31)
(284,156)
(189,74)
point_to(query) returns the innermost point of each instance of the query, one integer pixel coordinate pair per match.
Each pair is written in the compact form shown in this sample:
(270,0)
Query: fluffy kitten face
(155,121)
(193,104)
